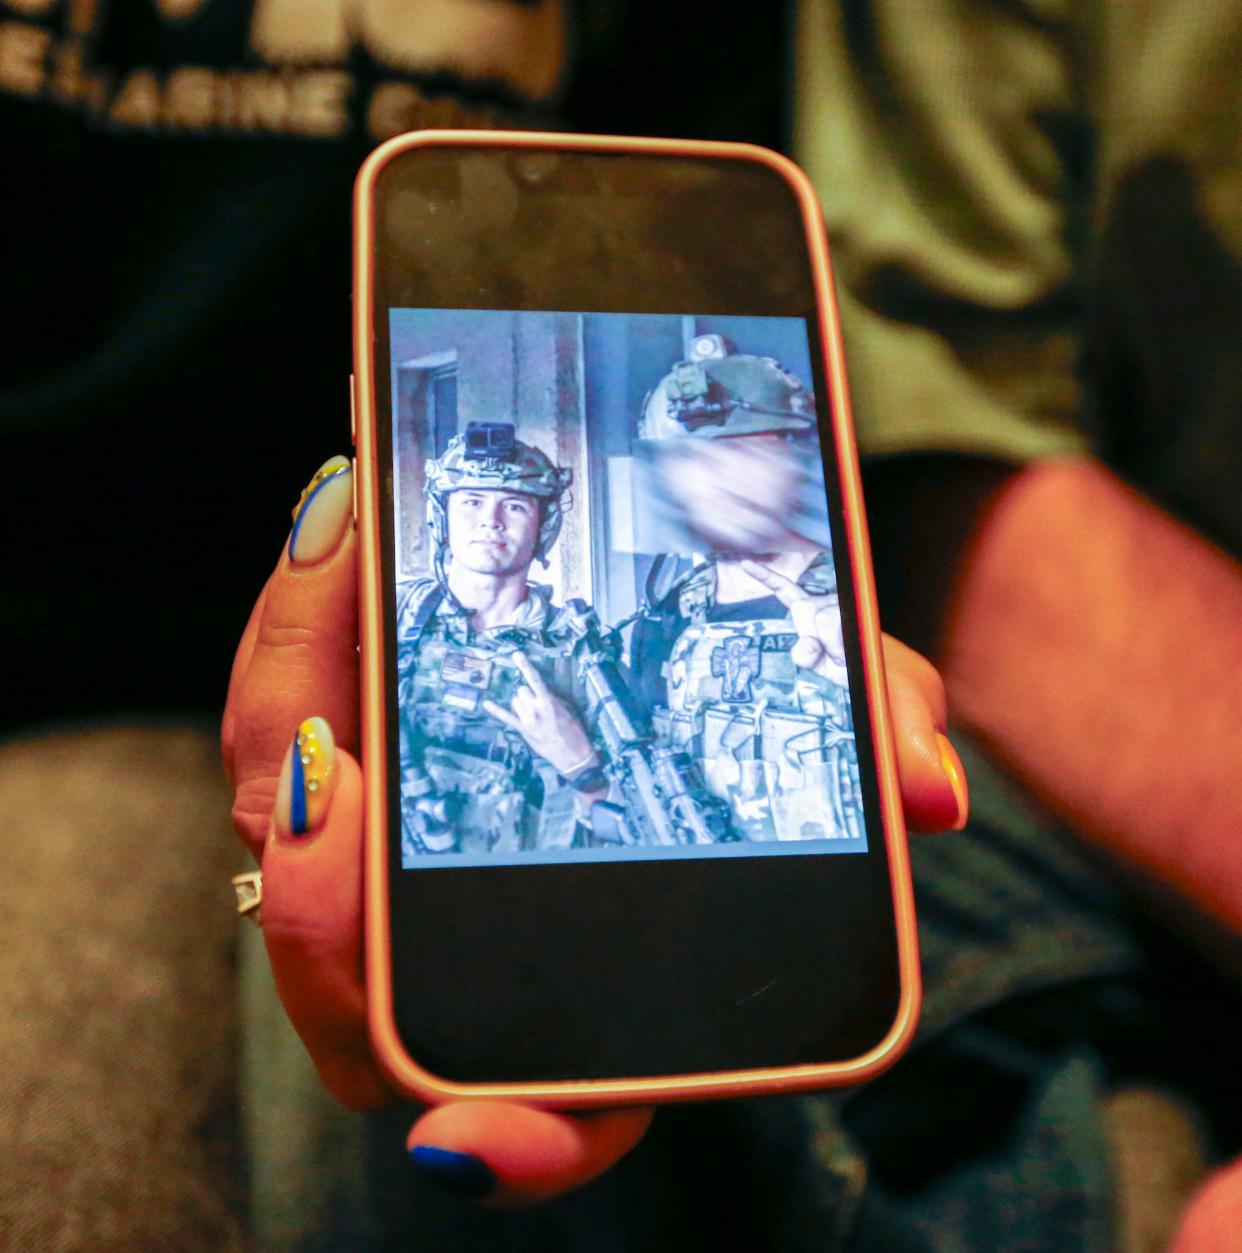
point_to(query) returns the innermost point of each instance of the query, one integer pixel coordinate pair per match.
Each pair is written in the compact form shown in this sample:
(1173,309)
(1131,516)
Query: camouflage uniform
(469,784)
(774,741)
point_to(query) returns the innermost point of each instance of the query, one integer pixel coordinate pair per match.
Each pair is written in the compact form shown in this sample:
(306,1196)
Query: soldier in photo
(742,660)
(495,757)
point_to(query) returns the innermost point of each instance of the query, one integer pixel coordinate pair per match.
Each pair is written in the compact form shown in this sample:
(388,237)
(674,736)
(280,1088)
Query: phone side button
(353,412)
(353,483)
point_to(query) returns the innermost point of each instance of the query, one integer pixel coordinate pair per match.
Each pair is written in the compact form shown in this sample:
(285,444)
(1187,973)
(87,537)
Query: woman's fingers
(312,911)
(933,783)
(509,1155)
(1213,1220)
(237,676)
(302,646)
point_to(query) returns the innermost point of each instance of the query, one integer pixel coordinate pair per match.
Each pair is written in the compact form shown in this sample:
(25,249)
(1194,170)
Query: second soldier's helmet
(489,456)
(719,392)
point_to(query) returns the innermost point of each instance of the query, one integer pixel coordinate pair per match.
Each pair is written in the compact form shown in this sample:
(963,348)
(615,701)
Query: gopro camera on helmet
(496,440)
(694,400)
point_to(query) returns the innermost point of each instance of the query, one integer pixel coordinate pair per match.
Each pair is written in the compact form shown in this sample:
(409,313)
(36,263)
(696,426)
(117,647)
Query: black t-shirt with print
(175,350)
(174,241)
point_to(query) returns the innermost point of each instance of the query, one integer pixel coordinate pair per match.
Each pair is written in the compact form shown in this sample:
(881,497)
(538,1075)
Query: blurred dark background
(176,326)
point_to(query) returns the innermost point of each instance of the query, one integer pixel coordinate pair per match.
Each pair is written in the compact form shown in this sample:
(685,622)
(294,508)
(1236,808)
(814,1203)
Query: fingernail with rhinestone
(322,513)
(307,780)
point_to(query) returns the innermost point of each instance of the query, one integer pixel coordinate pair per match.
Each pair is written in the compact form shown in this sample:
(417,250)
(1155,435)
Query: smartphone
(633,830)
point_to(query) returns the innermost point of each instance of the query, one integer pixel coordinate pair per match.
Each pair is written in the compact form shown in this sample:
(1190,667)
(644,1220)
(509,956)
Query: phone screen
(589,662)
(633,812)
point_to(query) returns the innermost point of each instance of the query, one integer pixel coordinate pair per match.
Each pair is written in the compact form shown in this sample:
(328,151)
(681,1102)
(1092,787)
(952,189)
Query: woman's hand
(295,678)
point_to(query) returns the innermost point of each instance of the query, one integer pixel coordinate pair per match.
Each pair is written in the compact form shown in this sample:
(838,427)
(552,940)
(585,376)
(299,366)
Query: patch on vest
(465,676)
(736,661)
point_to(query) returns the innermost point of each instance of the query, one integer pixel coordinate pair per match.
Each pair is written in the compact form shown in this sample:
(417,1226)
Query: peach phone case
(404,1071)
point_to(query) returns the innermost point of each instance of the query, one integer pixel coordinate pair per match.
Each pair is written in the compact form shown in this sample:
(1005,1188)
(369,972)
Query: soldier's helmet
(719,392)
(488,455)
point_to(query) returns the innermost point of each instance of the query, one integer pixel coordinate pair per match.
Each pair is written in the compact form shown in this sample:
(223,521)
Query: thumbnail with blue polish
(462,1173)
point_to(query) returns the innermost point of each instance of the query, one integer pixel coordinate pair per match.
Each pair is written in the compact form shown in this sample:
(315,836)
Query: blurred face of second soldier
(493,532)
(736,493)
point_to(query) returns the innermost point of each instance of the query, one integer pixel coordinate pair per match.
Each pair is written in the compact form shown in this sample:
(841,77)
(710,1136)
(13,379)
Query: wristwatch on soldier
(590,777)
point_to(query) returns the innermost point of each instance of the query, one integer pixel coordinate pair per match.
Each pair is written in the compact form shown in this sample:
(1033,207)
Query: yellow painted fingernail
(322,512)
(952,764)
(309,777)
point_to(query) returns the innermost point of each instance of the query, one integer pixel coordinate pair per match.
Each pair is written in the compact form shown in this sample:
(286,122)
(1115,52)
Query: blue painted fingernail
(460,1173)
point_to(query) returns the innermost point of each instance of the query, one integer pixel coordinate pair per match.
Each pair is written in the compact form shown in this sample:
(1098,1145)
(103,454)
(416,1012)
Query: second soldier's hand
(816,618)
(548,725)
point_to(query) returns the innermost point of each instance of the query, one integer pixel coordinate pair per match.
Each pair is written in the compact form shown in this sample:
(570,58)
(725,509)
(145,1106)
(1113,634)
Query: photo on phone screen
(617,632)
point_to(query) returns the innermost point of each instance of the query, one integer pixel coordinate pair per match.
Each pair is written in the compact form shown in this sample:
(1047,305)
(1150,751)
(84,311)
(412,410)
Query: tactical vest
(468,783)
(774,741)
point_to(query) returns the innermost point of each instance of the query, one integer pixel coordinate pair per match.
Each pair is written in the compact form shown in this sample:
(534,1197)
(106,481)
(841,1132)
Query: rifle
(664,799)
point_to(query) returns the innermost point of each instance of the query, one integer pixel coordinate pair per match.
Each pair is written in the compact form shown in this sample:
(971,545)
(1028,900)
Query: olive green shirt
(1035,212)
